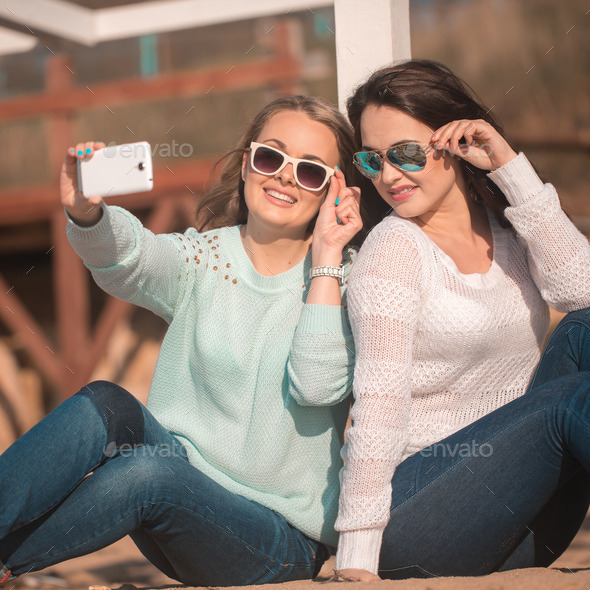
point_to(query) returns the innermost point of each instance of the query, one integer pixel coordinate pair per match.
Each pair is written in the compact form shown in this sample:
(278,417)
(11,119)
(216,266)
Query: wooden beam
(70,282)
(283,70)
(34,203)
(72,300)
(22,324)
(286,47)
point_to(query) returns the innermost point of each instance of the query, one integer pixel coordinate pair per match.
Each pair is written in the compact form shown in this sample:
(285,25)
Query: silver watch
(327,271)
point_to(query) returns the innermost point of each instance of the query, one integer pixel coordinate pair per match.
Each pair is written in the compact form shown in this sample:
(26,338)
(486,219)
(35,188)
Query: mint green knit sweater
(249,378)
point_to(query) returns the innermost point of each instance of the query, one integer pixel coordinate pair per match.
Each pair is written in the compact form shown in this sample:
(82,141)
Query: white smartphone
(117,170)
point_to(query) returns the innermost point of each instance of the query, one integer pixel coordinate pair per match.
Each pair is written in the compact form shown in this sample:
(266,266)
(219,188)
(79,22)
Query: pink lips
(276,197)
(399,196)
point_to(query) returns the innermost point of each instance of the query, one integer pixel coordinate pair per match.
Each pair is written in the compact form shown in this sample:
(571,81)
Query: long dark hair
(224,204)
(432,94)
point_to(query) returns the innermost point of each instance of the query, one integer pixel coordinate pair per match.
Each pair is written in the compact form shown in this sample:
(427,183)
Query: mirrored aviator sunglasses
(308,174)
(409,157)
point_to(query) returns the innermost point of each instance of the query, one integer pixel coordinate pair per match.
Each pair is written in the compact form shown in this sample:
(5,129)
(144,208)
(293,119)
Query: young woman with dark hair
(227,477)
(469,450)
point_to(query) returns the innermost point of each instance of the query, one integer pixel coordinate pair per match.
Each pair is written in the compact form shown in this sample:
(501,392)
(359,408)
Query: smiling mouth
(403,191)
(280,197)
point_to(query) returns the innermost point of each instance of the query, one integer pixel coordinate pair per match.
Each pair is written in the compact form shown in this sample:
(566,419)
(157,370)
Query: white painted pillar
(369,34)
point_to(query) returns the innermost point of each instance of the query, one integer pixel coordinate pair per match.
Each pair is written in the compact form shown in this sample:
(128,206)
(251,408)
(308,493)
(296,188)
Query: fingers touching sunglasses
(308,174)
(409,157)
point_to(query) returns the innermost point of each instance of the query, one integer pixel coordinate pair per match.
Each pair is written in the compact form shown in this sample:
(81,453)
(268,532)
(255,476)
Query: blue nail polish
(337,201)
(88,151)
(338,220)
(80,153)
(337,168)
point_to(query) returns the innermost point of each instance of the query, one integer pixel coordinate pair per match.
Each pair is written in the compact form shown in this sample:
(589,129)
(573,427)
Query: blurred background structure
(190,91)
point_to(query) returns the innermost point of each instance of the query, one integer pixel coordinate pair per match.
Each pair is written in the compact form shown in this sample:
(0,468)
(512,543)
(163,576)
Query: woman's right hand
(84,212)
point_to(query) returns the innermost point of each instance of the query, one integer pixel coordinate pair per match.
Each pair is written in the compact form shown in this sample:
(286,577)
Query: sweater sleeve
(558,254)
(321,361)
(130,262)
(384,305)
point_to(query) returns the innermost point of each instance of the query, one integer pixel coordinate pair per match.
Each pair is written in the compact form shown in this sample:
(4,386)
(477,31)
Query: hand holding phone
(84,209)
(116,170)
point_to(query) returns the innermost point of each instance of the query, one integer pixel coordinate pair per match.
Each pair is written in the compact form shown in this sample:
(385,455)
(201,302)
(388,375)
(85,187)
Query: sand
(122,567)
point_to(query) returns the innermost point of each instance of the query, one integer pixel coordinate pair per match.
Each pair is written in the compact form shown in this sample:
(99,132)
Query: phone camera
(141,166)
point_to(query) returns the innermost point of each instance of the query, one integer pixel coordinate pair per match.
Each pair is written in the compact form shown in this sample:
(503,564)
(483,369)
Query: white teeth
(280,196)
(405,190)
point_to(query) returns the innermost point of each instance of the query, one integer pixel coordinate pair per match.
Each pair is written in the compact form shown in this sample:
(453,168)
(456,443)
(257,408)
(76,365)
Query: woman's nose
(390,173)
(287,174)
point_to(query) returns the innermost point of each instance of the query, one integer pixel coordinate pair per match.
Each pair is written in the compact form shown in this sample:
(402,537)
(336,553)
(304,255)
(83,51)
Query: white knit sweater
(437,349)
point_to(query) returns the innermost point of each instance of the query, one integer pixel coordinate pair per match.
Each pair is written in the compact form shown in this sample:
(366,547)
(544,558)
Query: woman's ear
(244,166)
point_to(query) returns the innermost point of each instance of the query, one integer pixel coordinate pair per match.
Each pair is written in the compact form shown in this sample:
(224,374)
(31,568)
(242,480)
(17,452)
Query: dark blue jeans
(140,484)
(508,491)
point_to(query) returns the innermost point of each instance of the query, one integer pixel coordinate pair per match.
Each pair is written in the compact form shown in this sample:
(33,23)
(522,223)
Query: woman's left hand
(483,146)
(355,575)
(338,220)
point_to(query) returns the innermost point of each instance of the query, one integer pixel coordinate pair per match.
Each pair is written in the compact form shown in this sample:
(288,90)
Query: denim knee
(581,316)
(103,391)
(568,347)
(120,411)
(573,388)
(153,473)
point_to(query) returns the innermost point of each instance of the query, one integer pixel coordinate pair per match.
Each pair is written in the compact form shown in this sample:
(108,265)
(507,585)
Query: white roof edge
(88,27)
(160,16)
(56,17)
(15,42)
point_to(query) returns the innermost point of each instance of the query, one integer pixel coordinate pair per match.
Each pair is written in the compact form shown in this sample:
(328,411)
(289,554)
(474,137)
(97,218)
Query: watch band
(336,272)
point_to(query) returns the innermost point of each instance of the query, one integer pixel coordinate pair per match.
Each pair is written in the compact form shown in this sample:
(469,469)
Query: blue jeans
(508,491)
(140,484)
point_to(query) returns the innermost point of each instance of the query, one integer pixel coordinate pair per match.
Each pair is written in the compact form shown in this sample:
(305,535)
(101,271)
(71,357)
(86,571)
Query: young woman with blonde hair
(227,477)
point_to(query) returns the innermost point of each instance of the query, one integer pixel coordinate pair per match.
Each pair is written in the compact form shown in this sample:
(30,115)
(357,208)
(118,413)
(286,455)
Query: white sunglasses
(269,161)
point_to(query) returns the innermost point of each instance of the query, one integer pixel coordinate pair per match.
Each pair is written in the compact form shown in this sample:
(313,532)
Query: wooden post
(286,44)
(70,278)
(369,35)
(24,326)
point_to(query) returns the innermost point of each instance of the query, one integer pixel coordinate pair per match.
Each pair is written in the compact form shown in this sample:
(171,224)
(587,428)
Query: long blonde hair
(224,204)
